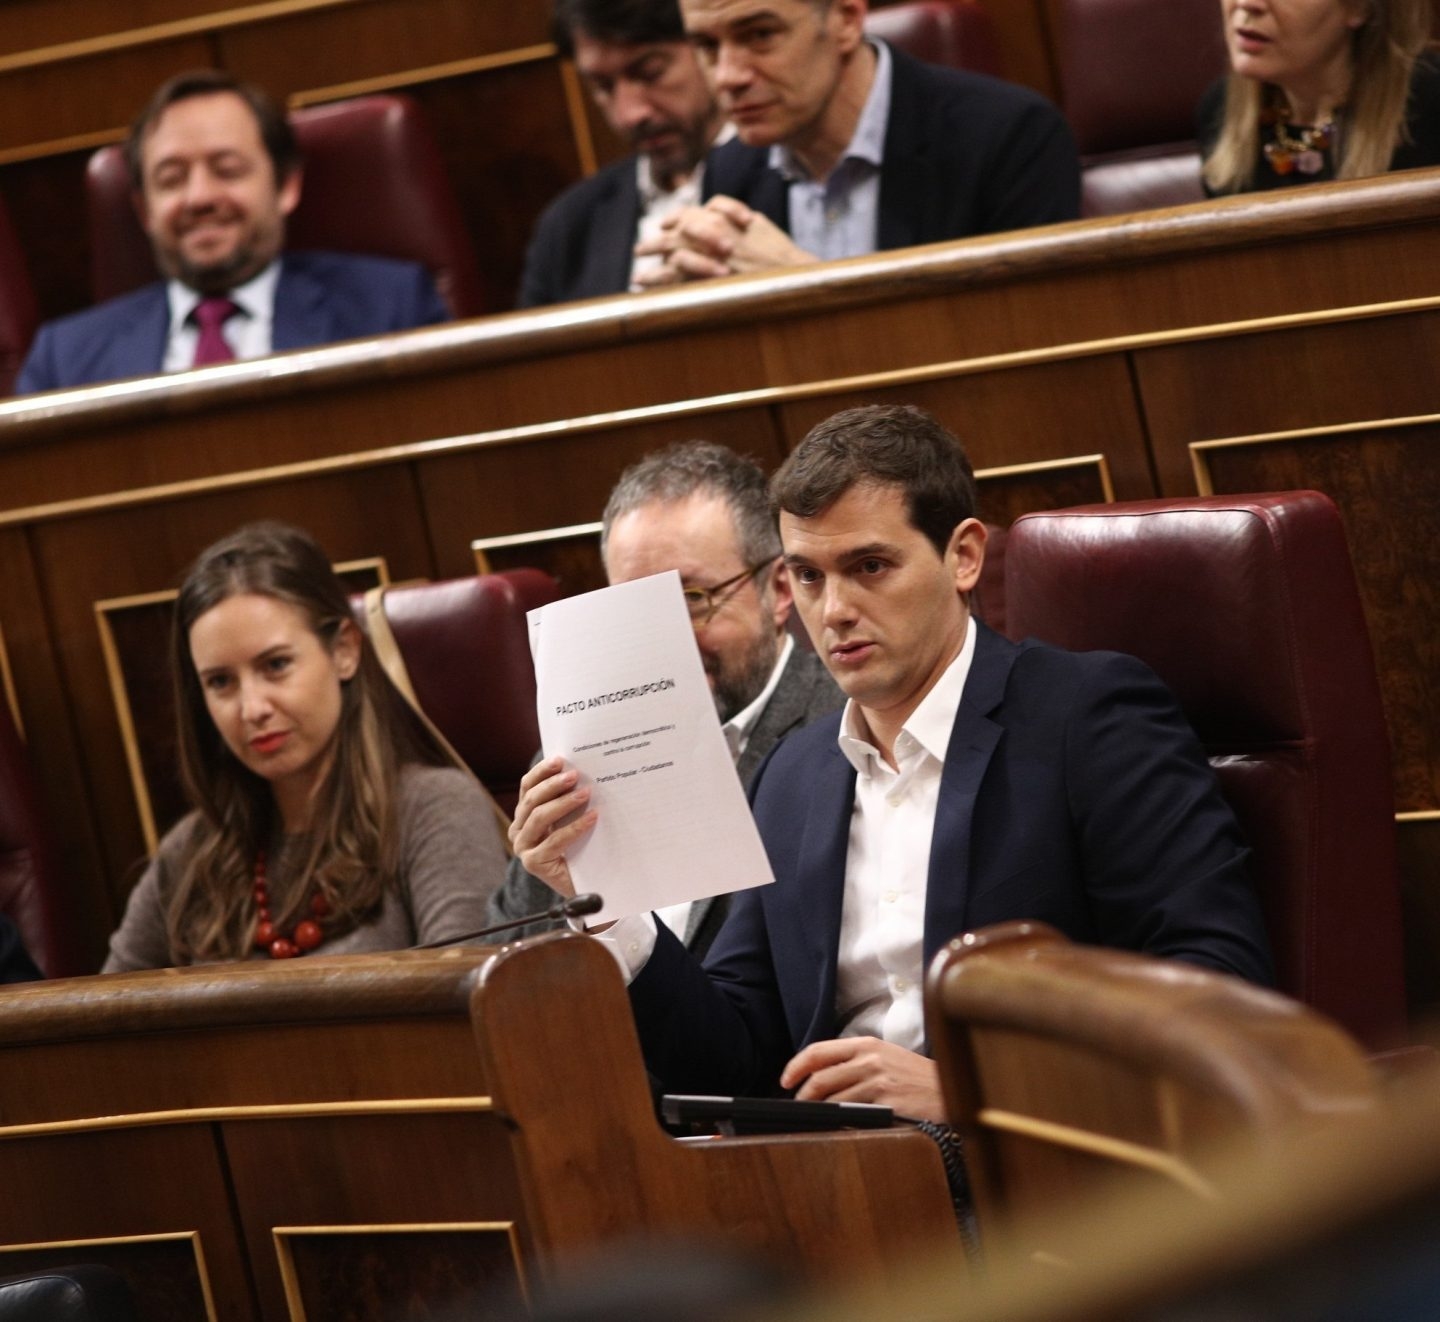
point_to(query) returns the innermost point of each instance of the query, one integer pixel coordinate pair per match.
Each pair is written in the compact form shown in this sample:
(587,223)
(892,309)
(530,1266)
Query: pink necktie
(210,316)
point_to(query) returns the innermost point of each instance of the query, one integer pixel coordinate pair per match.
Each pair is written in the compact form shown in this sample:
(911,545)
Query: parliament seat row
(1247,608)
(1131,72)
(451,1130)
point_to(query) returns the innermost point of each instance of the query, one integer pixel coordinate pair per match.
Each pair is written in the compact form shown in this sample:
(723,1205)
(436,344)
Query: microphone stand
(577,906)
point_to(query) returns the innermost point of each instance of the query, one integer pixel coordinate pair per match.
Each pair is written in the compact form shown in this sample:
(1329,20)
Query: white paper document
(623,697)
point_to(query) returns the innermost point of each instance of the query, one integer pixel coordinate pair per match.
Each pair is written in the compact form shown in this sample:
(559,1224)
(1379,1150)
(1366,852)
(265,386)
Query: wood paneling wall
(1098,358)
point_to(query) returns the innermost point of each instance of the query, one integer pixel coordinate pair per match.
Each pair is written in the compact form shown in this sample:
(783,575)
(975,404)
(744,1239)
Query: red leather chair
(1131,73)
(18,312)
(374,183)
(956,33)
(30,883)
(1246,606)
(466,645)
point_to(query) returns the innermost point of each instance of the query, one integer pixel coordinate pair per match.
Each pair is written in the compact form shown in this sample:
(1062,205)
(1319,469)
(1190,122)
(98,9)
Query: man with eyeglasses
(701,509)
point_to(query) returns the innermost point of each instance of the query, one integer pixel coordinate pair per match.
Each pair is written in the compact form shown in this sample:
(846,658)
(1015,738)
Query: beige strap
(387,650)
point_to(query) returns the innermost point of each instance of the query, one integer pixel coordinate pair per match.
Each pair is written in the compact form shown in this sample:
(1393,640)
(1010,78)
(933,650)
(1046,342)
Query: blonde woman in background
(1319,90)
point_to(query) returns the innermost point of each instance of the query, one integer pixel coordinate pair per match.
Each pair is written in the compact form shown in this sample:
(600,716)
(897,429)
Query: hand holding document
(622,696)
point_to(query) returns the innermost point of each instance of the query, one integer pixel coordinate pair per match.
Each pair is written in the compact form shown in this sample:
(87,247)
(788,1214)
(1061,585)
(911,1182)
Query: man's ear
(967,552)
(345,651)
(142,209)
(847,18)
(288,194)
(782,594)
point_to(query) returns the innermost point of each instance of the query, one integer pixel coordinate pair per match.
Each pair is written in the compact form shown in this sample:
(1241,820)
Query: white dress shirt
(248,332)
(879,979)
(880,973)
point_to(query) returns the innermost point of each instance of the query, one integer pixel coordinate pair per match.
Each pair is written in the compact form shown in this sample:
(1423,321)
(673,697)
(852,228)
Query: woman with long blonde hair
(1318,90)
(326,817)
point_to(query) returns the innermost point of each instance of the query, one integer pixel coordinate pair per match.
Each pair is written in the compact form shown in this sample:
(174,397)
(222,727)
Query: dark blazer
(584,241)
(964,154)
(1074,792)
(804,693)
(15,962)
(319,298)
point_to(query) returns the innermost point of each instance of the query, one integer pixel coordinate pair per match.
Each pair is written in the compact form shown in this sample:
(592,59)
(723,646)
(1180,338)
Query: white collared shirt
(249,332)
(880,972)
(839,216)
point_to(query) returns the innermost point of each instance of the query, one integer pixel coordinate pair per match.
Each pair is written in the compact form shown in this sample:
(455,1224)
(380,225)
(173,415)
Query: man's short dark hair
(619,22)
(896,445)
(701,468)
(275,130)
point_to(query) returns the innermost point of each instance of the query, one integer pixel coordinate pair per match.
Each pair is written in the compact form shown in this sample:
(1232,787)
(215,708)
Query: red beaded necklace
(307,934)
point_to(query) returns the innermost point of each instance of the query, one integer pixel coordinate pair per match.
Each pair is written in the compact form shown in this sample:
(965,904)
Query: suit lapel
(302,317)
(616,219)
(817,898)
(139,349)
(788,707)
(908,183)
(973,739)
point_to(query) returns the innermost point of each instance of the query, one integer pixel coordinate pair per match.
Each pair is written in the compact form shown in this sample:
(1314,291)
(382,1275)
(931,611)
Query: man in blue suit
(216,171)
(969,780)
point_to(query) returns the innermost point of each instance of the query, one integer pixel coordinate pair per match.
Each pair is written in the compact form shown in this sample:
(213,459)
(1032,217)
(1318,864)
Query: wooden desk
(1247,344)
(247,1141)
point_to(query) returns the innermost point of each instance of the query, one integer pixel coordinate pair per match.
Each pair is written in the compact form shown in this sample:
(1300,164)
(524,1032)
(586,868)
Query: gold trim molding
(763,396)
(291,1281)
(1200,449)
(280,1111)
(155,33)
(1100,1145)
(202,1273)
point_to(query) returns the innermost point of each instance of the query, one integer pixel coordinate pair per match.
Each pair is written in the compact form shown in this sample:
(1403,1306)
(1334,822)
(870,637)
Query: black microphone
(577,906)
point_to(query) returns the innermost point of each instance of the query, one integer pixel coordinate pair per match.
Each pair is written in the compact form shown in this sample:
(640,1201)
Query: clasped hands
(723,237)
(554,812)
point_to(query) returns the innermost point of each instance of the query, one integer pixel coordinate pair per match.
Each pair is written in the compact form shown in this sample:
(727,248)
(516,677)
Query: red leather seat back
(18,312)
(1131,73)
(1150,177)
(466,645)
(30,879)
(374,183)
(1247,608)
(955,33)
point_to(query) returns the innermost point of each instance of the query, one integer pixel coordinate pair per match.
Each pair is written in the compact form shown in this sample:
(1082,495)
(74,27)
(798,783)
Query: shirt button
(891,897)
(893,799)
(901,986)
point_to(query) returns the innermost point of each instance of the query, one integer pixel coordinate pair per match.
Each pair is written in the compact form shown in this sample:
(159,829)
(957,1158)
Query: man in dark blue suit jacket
(319,298)
(957,153)
(969,781)
(216,171)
